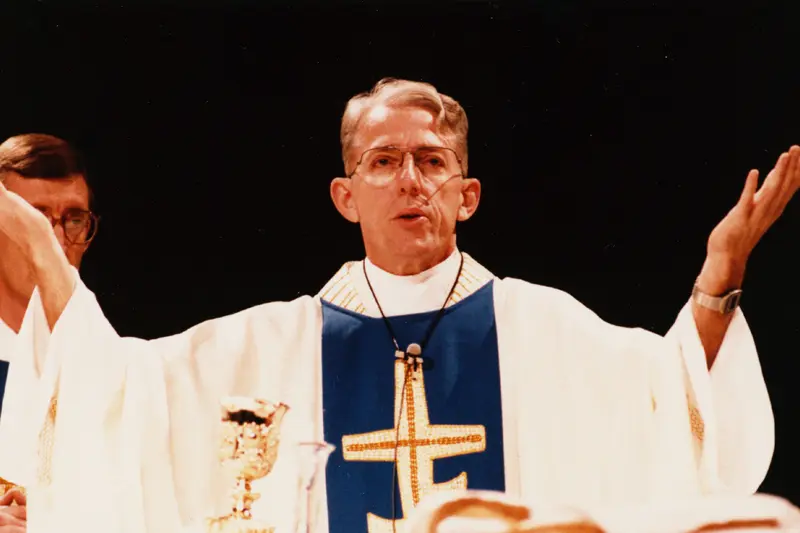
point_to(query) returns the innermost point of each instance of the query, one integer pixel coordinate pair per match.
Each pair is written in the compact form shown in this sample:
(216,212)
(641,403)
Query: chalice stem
(243,498)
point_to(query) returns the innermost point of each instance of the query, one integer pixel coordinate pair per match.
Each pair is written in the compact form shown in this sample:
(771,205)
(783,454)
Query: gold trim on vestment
(416,443)
(341,290)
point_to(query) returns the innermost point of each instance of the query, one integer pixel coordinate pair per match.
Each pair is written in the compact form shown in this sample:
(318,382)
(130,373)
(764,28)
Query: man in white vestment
(424,369)
(48,173)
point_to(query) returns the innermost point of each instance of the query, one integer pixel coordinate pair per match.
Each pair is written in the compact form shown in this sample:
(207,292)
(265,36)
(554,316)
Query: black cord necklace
(412,357)
(413,354)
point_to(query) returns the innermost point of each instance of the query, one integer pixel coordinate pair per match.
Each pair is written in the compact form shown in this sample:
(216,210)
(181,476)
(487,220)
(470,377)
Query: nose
(409,178)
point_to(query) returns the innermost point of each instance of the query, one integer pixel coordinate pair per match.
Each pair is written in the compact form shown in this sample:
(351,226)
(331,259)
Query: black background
(610,140)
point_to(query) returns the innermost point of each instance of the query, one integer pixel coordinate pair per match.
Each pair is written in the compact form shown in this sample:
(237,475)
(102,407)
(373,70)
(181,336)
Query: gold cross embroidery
(417,444)
(46,442)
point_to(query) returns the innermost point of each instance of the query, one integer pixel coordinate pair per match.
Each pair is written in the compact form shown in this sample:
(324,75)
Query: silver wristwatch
(725,304)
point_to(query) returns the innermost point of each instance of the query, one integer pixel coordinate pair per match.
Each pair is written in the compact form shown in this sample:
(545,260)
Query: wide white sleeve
(730,412)
(130,443)
(709,432)
(735,420)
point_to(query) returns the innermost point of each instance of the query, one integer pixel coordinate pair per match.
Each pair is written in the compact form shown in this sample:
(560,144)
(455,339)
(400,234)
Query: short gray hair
(451,119)
(42,156)
(37,155)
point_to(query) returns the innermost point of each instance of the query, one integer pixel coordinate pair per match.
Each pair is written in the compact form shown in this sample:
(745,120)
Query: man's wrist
(43,252)
(721,275)
(48,263)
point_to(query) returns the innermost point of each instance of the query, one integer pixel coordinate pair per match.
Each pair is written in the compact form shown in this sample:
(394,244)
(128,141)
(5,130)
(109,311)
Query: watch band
(725,304)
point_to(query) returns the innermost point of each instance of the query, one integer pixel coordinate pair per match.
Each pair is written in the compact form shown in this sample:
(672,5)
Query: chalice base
(234,524)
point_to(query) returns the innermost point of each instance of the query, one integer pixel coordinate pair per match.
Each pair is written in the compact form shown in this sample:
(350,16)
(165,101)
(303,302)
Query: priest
(425,370)
(48,173)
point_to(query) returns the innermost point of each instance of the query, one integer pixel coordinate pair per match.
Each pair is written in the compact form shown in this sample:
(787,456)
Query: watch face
(731,302)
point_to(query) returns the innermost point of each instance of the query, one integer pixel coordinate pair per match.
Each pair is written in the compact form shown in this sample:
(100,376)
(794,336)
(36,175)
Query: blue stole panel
(3,377)
(458,393)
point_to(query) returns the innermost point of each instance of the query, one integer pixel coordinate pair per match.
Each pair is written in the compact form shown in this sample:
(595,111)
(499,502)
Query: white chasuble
(121,435)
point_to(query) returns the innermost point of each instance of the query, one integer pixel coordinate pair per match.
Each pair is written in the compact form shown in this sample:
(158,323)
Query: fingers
(786,177)
(774,195)
(749,191)
(8,521)
(787,180)
(20,512)
(13,518)
(794,177)
(13,496)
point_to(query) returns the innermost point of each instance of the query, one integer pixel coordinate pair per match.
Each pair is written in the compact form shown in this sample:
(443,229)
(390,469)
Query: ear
(470,198)
(342,196)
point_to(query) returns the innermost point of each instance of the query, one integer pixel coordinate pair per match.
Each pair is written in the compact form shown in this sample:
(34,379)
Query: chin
(421,248)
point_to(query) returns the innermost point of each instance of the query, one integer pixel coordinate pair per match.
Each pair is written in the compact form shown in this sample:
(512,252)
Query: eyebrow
(418,147)
(70,208)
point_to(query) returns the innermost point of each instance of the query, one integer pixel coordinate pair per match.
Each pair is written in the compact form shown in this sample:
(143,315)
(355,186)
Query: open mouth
(411,214)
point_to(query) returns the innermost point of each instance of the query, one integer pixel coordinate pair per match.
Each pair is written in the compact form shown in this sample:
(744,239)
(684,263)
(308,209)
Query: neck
(410,265)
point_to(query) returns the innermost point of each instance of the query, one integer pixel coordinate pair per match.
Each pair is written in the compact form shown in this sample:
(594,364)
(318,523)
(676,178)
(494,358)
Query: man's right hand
(13,518)
(33,235)
(23,224)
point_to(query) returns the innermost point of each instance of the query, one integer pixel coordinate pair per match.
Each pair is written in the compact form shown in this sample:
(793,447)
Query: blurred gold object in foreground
(250,438)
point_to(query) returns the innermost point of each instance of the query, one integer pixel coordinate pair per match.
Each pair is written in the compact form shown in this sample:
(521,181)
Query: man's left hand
(13,518)
(735,237)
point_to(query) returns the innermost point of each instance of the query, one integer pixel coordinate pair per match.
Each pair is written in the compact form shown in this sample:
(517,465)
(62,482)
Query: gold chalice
(250,439)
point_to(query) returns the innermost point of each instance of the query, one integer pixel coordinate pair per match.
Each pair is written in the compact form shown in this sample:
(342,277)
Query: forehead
(63,193)
(404,127)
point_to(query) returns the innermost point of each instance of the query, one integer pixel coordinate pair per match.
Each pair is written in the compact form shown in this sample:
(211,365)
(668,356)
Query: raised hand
(13,518)
(732,241)
(22,223)
(31,232)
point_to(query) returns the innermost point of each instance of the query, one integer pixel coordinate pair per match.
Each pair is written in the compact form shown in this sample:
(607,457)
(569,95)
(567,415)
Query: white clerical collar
(420,293)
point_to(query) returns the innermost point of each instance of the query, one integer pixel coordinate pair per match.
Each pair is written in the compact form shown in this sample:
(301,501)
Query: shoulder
(296,314)
(559,311)
(289,311)
(519,292)
(272,320)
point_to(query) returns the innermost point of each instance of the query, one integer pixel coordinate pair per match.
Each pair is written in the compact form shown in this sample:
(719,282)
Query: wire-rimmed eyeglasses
(381,165)
(79,225)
